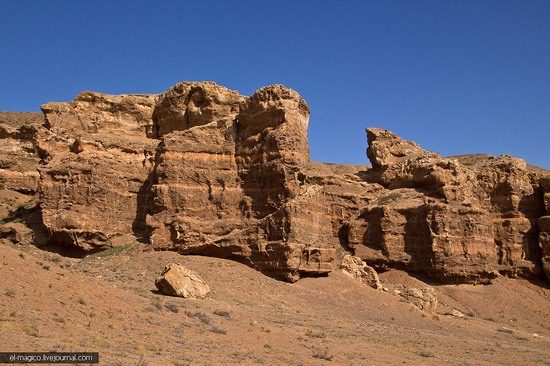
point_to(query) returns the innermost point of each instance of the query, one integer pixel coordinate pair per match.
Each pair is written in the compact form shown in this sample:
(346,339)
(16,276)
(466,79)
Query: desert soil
(107,303)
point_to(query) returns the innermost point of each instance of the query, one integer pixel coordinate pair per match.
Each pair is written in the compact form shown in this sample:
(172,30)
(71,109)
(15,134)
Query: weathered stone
(425,299)
(176,280)
(225,178)
(18,161)
(545,186)
(387,149)
(98,160)
(455,221)
(456,314)
(357,269)
(187,104)
(544,227)
(17,233)
(544,238)
(95,113)
(19,176)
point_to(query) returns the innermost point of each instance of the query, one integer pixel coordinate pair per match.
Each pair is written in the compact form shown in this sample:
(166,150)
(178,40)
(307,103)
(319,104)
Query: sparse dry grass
(200,315)
(319,320)
(322,354)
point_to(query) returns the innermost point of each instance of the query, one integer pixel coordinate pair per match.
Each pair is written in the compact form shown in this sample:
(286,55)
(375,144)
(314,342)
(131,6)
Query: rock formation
(19,178)
(462,219)
(425,299)
(358,270)
(96,159)
(176,280)
(201,169)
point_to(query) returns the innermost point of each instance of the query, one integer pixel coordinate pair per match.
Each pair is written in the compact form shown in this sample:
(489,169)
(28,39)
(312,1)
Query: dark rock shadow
(140,229)
(532,206)
(145,202)
(343,238)
(418,241)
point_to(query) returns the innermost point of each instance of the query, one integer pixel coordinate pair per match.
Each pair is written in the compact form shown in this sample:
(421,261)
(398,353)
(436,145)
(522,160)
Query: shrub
(172,307)
(322,354)
(218,330)
(10,292)
(223,313)
(203,317)
(313,334)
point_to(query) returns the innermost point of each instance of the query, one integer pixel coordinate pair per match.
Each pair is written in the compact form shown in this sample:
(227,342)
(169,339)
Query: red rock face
(96,160)
(201,169)
(18,161)
(462,219)
(225,179)
(19,178)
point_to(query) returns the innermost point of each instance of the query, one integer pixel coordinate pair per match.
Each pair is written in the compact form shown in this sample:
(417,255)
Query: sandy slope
(107,303)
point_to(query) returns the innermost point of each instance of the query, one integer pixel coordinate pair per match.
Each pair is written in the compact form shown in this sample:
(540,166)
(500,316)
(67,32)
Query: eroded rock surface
(20,217)
(457,220)
(97,158)
(201,169)
(18,160)
(225,180)
(357,269)
(425,299)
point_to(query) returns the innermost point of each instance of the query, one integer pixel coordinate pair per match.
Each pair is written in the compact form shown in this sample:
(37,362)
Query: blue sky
(458,77)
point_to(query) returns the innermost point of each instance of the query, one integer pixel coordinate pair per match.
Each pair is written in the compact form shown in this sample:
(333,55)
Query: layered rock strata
(96,157)
(462,219)
(201,169)
(19,177)
(226,178)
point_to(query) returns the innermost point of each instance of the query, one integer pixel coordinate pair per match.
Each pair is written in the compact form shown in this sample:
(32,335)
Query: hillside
(108,303)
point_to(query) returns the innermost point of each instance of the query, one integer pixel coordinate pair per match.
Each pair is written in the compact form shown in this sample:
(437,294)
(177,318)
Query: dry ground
(107,303)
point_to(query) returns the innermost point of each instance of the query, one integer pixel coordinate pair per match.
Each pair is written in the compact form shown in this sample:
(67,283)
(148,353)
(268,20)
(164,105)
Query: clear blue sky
(457,77)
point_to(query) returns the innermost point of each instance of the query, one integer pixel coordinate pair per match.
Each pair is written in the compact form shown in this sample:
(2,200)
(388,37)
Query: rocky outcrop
(20,219)
(176,280)
(198,169)
(450,219)
(18,161)
(96,161)
(201,169)
(358,270)
(225,180)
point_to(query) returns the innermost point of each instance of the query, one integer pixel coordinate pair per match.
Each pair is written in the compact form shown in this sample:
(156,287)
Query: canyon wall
(201,169)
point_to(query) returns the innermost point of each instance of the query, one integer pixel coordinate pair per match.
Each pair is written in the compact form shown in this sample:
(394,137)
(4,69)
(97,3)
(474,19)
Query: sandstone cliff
(20,218)
(201,169)
(460,218)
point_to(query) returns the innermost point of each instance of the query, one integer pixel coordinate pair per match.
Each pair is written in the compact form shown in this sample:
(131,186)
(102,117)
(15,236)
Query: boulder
(177,280)
(357,269)
(386,149)
(424,299)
